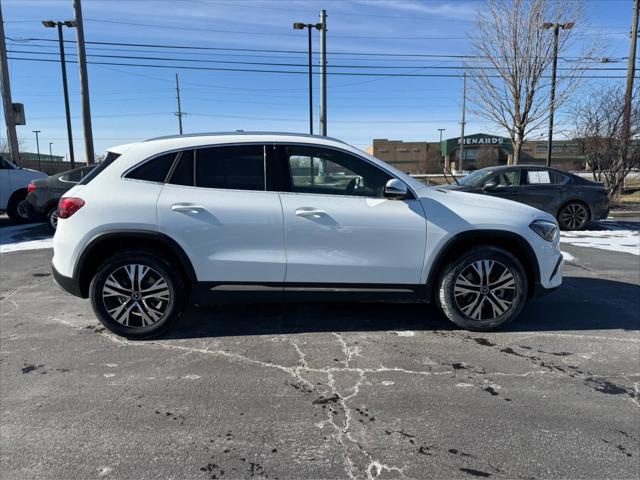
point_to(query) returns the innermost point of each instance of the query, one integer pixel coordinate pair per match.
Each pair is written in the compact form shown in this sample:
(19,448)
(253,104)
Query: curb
(624,213)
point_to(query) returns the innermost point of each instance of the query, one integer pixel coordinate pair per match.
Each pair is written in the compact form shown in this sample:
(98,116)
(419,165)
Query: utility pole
(464,107)
(626,113)
(65,88)
(179,113)
(556,29)
(84,86)
(9,118)
(441,156)
(309,27)
(50,154)
(323,73)
(38,148)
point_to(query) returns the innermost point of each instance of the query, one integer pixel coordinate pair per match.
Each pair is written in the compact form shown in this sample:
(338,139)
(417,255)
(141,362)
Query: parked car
(44,193)
(266,217)
(13,189)
(574,201)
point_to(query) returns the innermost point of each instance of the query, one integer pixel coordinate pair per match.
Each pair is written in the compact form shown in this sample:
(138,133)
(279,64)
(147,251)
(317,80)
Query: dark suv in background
(573,200)
(45,193)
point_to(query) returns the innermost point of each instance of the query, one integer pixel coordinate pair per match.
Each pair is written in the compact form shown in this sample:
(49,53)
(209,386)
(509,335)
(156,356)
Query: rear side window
(109,159)
(236,167)
(154,170)
(73,176)
(183,172)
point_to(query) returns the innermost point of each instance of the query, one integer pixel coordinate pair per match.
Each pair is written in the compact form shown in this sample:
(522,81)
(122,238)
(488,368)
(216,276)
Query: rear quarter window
(154,170)
(109,159)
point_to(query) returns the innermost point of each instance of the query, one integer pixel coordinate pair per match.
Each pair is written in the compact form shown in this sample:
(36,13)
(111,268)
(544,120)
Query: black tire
(135,326)
(498,304)
(573,216)
(51,218)
(18,208)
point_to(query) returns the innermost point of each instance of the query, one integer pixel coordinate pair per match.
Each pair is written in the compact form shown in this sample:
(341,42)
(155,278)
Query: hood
(481,211)
(455,186)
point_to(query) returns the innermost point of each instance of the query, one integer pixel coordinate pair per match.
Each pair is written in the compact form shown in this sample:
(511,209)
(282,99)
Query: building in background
(480,150)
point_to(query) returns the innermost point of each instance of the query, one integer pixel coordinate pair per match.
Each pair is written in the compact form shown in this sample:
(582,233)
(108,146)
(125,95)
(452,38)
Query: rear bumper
(68,284)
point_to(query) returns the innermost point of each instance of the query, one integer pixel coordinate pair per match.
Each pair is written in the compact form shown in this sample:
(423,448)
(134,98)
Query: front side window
(506,178)
(332,172)
(154,170)
(235,167)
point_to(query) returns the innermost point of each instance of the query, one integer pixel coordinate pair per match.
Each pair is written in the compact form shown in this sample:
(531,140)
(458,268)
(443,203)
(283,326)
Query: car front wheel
(484,289)
(137,294)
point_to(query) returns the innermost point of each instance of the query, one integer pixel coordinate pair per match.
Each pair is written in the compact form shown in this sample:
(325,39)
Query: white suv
(13,189)
(266,216)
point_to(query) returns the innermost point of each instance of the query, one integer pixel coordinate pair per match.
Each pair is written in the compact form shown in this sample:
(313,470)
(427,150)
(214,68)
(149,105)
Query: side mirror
(489,186)
(396,189)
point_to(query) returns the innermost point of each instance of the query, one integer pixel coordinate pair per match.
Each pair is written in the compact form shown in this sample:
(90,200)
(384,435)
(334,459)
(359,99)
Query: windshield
(475,178)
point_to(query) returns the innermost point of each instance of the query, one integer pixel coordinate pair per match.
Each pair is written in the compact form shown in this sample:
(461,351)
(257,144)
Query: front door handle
(186,208)
(309,212)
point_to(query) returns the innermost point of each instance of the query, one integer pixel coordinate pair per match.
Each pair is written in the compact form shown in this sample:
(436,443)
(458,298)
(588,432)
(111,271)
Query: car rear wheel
(137,294)
(52,218)
(18,207)
(573,216)
(483,290)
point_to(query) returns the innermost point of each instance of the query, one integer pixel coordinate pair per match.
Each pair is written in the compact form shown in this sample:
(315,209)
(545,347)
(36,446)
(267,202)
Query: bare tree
(511,82)
(598,130)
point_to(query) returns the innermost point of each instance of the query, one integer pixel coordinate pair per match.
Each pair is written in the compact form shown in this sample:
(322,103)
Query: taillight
(32,187)
(69,206)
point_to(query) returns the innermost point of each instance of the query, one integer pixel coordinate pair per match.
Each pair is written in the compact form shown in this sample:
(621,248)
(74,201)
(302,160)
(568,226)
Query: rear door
(544,189)
(340,230)
(214,204)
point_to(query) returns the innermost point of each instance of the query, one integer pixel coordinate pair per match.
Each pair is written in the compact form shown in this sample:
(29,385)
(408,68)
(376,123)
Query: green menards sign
(477,140)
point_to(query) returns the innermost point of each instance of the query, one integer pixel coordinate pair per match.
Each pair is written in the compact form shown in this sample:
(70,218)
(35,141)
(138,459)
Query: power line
(274,64)
(287,72)
(233,49)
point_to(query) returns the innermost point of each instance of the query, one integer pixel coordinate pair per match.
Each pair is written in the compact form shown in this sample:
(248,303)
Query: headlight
(546,229)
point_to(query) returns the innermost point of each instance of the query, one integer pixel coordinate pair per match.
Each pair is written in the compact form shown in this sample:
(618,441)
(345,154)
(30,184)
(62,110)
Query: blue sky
(134,103)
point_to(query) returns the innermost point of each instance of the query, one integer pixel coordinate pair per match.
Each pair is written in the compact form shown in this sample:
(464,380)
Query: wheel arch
(106,244)
(15,193)
(513,243)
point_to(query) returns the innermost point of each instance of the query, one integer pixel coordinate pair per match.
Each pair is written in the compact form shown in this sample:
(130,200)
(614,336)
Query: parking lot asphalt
(323,391)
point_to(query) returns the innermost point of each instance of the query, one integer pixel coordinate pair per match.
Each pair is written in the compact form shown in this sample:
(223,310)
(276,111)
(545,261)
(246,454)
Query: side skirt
(210,293)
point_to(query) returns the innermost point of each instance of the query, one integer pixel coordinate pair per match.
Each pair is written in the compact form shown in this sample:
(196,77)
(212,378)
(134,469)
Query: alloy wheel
(574,216)
(53,219)
(485,290)
(136,295)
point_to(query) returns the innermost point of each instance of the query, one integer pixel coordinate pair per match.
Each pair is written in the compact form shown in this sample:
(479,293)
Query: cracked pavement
(324,391)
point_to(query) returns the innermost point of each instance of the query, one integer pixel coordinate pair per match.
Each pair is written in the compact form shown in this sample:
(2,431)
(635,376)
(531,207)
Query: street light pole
(50,154)
(38,147)
(442,156)
(309,27)
(65,88)
(556,29)
(323,76)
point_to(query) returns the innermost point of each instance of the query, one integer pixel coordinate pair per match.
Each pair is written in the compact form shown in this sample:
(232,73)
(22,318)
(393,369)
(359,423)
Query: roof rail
(242,132)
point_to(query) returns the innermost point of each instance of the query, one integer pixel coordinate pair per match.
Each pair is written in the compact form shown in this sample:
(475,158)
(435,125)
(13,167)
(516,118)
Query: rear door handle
(309,212)
(186,208)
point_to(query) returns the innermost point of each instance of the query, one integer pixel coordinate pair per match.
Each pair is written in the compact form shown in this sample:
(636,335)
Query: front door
(215,206)
(340,230)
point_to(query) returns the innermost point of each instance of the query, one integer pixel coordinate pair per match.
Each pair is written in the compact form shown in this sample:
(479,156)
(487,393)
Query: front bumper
(68,284)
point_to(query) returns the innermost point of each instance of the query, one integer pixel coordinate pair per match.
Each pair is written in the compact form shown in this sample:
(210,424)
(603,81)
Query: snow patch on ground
(625,241)
(24,237)
(567,257)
